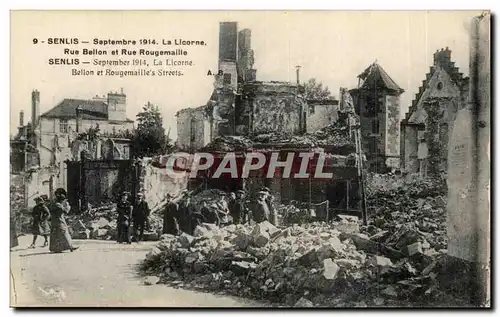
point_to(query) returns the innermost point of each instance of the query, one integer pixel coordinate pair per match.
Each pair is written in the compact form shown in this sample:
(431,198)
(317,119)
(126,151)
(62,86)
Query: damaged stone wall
(223,101)
(193,128)
(155,183)
(37,182)
(321,115)
(392,126)
(410,149)
(272,107)
(245,56)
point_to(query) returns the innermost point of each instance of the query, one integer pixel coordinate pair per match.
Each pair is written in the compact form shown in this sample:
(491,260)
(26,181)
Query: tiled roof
(376,76)
(93,109)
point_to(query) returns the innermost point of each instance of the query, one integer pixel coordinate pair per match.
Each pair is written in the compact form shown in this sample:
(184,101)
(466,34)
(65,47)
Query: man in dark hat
(239,211)
(140,214)
(171,216)
(124,209)
(269,199)
(261,209)
(186,209)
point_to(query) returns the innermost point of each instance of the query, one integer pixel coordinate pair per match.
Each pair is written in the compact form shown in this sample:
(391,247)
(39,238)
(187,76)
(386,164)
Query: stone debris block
(331,269)
(302,302)
(348,219)
(150,236)
(381,261)
(102,223)
(151,280)
(193,257)
(309,258)
(242,267)
(83,235)
(269,227)
(210,226)
(283,234)
(348,263)
(167,237)
(102,232)
(379,235)
(415,248)
(153,252)
(261,234)
(389,291)
(202,231)
(242,240)
(186,240)
(333,248)
(79,226)
(348,227)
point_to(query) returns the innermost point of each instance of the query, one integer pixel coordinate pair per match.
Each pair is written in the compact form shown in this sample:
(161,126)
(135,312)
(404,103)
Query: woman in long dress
(60,239)
(41,216)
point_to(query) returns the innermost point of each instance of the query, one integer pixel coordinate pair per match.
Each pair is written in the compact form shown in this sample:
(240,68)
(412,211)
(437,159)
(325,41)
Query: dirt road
(99,274)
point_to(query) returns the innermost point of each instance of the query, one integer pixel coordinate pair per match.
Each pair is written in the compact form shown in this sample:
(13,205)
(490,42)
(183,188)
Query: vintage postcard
(250,159)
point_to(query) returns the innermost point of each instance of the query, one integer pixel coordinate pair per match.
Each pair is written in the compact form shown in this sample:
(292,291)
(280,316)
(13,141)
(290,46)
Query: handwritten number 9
(35,41)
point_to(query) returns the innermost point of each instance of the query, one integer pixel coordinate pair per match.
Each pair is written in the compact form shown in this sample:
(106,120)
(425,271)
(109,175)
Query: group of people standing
(180,215)
(129,214)
(48,220)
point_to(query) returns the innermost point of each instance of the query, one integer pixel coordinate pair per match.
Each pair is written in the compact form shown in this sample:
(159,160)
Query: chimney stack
(21,118)
(442,57)
(35,108)
(298,74)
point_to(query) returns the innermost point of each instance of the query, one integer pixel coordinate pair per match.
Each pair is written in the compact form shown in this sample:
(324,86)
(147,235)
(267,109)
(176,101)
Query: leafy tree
(316,90)
(150,138)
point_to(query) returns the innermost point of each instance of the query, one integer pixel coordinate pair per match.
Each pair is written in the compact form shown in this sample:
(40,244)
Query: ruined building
(377,101)
(53,132)
(428,123)
(244,115)
(241,105)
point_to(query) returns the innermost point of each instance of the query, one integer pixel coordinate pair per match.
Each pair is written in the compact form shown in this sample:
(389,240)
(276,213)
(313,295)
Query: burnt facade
(377,102)
(426,127)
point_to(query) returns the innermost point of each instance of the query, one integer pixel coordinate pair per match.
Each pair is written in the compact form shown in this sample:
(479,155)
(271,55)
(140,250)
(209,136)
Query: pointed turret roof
(376,76)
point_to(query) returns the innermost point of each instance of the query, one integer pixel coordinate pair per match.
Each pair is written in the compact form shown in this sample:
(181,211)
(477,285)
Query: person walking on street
(171,217)
(41,216)
(140,214)
(261,211)
(124,209)
(60,239)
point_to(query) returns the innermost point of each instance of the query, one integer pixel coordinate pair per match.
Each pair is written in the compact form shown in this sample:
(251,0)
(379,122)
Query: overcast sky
(333,47)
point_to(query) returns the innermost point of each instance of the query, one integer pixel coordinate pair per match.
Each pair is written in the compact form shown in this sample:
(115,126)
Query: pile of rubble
(335,134)
(315,264)
(408,211)
(228,144)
